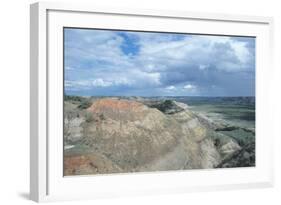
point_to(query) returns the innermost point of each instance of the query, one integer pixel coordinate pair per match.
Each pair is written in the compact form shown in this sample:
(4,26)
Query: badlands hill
(110,135)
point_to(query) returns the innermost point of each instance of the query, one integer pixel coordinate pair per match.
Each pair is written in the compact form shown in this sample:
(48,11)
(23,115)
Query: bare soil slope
(118,135)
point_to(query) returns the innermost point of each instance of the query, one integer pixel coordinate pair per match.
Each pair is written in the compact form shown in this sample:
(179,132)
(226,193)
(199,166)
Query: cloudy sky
(108,63)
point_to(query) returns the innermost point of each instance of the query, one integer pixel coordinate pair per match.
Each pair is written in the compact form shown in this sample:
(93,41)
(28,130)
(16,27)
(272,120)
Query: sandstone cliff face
(129,136)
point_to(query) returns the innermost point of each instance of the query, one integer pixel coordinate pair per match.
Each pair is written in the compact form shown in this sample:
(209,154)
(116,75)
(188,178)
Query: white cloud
(189,87)
(171,87)
(75,84)
(198,51)
(151,78)
(69,68)
(122,81)
(203,67)
(101,83)
(241,51)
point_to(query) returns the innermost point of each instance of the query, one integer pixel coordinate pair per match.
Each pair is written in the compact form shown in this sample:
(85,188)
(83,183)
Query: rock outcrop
(130,136)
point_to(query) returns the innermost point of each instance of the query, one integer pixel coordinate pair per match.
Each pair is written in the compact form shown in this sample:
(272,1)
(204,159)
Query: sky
(127,63)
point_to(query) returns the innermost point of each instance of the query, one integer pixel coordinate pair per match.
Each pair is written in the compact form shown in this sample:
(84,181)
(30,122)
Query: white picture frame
(46,179)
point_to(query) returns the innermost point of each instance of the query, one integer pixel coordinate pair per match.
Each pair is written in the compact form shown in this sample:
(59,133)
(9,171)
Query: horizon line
(159,95)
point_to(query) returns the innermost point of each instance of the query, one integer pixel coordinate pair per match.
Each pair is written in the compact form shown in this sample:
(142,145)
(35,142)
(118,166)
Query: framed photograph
(130,102)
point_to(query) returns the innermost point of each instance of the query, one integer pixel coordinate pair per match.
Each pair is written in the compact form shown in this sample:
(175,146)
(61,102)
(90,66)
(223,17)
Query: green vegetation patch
(241,136)
(167,107)
(81,102)
(85,104)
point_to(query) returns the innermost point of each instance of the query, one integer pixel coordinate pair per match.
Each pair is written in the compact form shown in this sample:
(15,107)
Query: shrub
(85,104)
(164,106)
(73,98)
(102,117)
(89,117)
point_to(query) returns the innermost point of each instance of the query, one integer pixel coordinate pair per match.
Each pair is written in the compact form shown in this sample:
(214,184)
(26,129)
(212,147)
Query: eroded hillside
(111,135)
